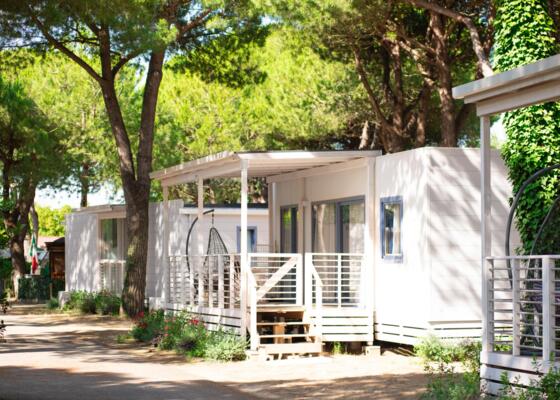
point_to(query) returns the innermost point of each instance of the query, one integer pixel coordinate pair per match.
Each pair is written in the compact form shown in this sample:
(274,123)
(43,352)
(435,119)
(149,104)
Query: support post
(166,265)
(367,275)
(231,281)
(221,272)
(197,260)
(548,323)
(243,255)
(516,307)
(486,210)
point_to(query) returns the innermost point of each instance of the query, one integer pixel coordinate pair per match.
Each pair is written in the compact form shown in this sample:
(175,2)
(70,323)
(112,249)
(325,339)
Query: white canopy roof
(259,164)
(534,83)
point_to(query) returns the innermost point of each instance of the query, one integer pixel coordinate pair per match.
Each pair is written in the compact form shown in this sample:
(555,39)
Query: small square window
(391,222)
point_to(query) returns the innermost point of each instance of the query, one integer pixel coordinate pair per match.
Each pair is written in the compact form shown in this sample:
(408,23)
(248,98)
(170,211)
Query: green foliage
(547,387)
(225,346)
(187,335)
(439,358)
(148,326)
(35,287)
(525,33)
(53,304)
(107,303)
(5,269)
(104,302)
(52,220)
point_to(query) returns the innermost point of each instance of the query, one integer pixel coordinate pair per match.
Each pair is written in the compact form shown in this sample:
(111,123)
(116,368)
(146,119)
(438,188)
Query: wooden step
(292,348)
(299,323)
(279,308)
(287,336)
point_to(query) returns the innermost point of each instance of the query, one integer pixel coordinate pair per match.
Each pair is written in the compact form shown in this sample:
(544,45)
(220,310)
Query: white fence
(205,281)
(523,306)
(342,277)
(112,275)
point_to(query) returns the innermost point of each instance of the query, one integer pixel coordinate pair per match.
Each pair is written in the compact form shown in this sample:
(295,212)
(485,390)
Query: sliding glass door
(338,226)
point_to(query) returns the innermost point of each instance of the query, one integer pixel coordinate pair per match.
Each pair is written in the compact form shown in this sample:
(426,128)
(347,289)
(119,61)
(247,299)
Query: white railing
(523,306)
(314,297)
(112,275)
(341,275)
(205,281)
(278,278)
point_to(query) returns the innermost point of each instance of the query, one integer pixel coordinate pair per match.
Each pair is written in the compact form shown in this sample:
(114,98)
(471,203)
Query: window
(391,221)
(288,229)
(338,226)
(251,239)
(113,239)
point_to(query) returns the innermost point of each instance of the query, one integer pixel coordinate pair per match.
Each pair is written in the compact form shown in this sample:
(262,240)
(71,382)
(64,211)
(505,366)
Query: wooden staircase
(285,331)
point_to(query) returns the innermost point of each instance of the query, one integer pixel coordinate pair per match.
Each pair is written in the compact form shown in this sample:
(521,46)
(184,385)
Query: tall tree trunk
(17,257)
(444,81)
(84,184)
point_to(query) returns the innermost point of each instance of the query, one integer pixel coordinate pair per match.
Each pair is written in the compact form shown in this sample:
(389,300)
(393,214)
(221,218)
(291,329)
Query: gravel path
(62,357)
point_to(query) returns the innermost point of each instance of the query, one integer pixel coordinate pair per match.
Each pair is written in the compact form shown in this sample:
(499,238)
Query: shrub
(192,339)
(33,288)
(148,326)
(53,304)
(225,346)
(445,383)
(547,387)
(107,303)
(82,301)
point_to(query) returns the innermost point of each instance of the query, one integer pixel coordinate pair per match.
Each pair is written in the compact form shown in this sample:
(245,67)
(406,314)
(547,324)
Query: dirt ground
(56,356)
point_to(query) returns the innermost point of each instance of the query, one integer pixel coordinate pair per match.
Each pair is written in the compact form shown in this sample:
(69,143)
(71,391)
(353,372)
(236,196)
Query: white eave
(534,83)
(259,164)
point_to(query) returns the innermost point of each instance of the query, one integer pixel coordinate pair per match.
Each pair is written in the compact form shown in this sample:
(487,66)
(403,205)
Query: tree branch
(478,47)
(58,45)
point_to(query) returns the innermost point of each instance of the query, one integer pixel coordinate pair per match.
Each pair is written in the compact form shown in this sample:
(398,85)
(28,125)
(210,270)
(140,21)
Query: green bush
(53,304)
(547,387)
(439,358)
(148,326)
(82,301)
(35,287)
(187,335)
(107,303)
(225,346)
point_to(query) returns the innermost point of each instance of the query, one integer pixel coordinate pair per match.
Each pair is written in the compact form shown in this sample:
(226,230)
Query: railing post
(221,281)
(253,323)
(339,286)
(319,308)
(299,280)
(182,273)
(199,268)
(547,299)
(191,280)
(488,265)
(516,307)
(209,262)
(308,282)
(231,281)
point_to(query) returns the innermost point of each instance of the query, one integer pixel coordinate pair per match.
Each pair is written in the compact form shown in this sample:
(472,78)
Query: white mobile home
(96,241)
(520,294)
(362,247)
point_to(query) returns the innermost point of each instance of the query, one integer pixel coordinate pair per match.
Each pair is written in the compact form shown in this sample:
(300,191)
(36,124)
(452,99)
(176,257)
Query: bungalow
(362,247)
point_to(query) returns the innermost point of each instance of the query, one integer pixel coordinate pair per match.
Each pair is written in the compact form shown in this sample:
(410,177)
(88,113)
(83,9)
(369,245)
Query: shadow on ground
(65,384)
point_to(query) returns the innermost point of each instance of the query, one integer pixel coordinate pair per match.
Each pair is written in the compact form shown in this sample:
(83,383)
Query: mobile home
(363,246)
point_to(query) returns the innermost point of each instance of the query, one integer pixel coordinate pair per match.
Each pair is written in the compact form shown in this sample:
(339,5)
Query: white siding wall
(401,288)
(81,257)
(454,225)
(330,186)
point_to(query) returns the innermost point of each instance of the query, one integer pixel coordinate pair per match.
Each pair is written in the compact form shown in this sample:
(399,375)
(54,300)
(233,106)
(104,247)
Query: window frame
(338,203)
(391,200)
(293,209)
(253,229)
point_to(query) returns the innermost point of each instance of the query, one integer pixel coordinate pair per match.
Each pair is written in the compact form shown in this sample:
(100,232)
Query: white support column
(486,211)
(165,245)
(271,220)
(243,255)
(198,261)
(548,321)
(301,218)
(516,297)
(368,267)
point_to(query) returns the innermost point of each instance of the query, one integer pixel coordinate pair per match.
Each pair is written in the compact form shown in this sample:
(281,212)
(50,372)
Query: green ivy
(524,33)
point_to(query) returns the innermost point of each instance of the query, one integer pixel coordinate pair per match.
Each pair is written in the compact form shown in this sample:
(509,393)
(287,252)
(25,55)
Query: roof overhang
(258,164)
(534,83)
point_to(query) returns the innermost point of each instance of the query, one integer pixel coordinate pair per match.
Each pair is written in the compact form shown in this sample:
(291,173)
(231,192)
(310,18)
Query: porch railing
(341,275)
(112,275)
(205,281)
(523,306)
(278,278)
